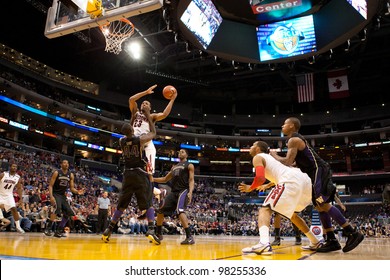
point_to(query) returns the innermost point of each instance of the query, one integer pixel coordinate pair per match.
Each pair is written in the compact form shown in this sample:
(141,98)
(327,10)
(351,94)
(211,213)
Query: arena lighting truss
(177,78)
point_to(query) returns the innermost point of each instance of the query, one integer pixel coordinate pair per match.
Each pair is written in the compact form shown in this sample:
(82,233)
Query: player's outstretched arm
(160,116)
(133,99)
(164,179)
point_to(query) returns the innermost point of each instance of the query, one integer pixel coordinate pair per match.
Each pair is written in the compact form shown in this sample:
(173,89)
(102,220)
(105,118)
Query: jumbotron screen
(203,19)
(360,6)
(286,38)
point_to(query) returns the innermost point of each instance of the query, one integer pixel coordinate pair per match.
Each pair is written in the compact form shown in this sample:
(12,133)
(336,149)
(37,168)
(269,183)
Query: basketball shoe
(259,248)
(276,241)
(159,236)
(188,241)
(106,235)
(150,234)
(329,246)
(353,241)
(298,240)
(313,247)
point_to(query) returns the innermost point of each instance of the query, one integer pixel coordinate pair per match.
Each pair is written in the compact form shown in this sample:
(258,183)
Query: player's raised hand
(151,89)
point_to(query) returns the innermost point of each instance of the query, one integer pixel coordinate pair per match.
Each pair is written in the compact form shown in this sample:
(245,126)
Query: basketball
(168,91)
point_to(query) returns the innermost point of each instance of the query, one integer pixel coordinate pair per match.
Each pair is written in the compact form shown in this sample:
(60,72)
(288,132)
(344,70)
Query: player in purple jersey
(304,156)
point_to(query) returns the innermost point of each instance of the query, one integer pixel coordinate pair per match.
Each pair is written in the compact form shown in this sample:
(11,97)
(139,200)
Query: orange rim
(119,35)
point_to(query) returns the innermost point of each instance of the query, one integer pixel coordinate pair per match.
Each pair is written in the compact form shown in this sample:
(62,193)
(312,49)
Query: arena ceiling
(197,72)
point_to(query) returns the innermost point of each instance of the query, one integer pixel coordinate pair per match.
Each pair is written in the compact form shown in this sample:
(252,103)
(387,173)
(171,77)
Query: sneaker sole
(106,239)
(259,252)
(154,241)
(263,252)
(354,245)
(329,250)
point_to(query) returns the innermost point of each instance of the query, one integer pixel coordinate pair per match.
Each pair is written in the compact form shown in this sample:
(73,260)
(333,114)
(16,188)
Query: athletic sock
(264,234)
(188,233)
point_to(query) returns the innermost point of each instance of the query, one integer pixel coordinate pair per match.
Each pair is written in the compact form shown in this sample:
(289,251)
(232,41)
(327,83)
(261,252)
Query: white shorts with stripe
(293,195)
(8,201)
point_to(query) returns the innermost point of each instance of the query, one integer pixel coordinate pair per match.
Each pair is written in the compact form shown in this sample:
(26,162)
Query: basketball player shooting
(141,125)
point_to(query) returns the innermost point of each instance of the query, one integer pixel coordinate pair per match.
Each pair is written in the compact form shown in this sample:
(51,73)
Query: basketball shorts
(323,185)
(289,197)
(174,202)
(136,181)
(62,205)
(8,201)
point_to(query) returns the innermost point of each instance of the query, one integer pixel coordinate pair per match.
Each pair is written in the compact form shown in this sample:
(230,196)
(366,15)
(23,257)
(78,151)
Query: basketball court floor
(15,246)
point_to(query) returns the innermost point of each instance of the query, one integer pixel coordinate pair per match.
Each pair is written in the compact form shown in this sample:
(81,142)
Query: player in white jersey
(141,125)
(290,195)
(8,181)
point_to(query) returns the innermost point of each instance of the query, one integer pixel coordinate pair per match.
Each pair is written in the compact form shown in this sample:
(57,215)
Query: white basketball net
(116,32)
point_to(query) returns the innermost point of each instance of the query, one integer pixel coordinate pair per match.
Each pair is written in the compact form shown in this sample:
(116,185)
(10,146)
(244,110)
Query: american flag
(305,87)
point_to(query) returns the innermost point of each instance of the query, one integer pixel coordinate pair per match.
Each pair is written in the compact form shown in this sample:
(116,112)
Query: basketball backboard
(62,21)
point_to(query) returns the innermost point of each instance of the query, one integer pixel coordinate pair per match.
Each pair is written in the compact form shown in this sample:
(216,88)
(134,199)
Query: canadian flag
(338,84)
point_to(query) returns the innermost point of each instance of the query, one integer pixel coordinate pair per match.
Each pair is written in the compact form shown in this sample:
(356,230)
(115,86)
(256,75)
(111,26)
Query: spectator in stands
(123,225)
(134,224)
(290,195)
(43,217)
(304,156)
(25,222)
(80,223)
(182,177)
(4,222)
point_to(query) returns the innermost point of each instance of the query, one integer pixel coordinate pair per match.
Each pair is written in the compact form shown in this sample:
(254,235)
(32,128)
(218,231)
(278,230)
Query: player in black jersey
(135,179)
(182,178)
(60,181)
(304,156)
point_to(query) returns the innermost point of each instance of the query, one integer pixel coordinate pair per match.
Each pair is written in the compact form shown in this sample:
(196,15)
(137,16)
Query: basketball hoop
(116,32)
